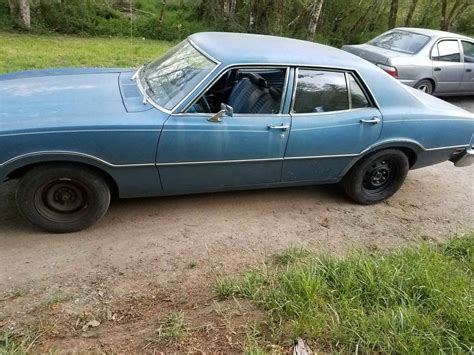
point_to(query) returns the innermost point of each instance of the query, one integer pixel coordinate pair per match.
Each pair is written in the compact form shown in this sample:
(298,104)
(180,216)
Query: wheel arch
(410,149)
(19,170)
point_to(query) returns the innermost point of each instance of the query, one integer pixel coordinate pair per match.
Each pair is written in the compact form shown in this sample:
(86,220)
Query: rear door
(333,120)
(448,69)
(467,84)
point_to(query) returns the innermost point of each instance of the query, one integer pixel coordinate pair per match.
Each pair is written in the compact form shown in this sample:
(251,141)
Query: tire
(425,85)
(376,177)
(62,198)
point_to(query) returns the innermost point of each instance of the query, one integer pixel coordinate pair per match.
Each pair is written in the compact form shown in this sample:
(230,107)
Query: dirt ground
(152,256)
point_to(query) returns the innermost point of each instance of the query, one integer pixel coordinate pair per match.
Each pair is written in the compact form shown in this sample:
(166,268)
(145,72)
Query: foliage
(22,52)
(411,300)
(340,22)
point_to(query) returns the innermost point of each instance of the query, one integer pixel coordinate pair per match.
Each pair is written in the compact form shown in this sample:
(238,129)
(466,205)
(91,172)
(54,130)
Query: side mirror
(226,110)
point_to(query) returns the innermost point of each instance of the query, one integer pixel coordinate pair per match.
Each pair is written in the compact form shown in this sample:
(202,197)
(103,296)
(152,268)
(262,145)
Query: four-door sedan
(436,62)
(220,111)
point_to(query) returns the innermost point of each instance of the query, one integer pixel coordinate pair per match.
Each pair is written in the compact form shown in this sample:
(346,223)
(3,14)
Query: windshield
(171,77)
(401,41)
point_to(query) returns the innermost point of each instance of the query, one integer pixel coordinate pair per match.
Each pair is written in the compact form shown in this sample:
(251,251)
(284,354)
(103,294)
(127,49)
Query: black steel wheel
(63,199)
(377,177)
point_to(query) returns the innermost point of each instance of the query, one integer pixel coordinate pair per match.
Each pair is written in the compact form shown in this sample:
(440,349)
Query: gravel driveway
(226,231)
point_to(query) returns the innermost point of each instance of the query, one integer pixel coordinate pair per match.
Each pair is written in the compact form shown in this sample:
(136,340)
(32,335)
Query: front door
(467,84)
(448,69)
(329,126)
(243,150)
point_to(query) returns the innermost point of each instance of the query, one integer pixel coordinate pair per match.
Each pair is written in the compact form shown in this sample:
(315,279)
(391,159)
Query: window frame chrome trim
(359,80)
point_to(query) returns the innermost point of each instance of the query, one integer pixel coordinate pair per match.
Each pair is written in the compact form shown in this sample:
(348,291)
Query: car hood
(376,55)
(42,99)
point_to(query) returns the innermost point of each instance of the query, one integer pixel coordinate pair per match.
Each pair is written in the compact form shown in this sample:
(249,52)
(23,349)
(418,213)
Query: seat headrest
(257,79)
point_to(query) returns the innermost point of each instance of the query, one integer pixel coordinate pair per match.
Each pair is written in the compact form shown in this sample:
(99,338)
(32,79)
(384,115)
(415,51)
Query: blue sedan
(218,112)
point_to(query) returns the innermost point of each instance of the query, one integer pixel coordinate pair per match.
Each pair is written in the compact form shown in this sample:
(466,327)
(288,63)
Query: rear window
(401,41)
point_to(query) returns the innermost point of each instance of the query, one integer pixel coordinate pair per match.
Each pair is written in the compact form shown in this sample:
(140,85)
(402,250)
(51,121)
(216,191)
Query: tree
(314,18)
(162,13)
(411,11)
(21,10)
(458,8)
(392,18)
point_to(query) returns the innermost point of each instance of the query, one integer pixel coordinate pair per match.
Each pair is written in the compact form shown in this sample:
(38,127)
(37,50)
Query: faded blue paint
(97,117)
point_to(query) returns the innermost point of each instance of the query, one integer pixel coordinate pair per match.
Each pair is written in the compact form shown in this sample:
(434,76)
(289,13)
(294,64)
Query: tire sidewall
(353,183)
(426,82)
(36,178)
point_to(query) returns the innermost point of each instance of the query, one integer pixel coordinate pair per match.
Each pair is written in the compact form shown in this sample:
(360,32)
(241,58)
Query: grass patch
(411,300)
(171,329)
(22,52)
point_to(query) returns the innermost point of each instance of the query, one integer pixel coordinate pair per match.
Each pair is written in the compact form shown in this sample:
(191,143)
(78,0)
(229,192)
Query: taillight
(390,70)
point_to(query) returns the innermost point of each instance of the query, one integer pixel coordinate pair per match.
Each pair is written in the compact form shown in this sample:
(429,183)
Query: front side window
(170,78)
(468,49)
(320,91)
(401,41)
(446,51)
(247,90)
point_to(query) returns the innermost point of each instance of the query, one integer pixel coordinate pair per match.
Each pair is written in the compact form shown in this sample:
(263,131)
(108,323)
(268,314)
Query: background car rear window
(447,51)
(320,91)
(401,41)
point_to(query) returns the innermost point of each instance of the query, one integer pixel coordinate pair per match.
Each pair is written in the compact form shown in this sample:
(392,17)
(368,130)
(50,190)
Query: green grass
(411,300)
(22,52)
(171,328)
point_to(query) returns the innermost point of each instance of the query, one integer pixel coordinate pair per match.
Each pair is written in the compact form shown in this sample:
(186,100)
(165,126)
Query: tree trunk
(226,8)
(162,14)
(411,12)
(444,19)
(392,19)
(21,10)
(233,6)
(252,12)
(313,22)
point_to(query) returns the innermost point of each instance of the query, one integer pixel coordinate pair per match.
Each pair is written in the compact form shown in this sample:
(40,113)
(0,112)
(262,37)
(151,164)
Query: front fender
(132,180)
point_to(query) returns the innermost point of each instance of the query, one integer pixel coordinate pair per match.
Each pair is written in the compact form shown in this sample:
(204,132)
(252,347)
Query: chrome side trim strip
(9,161)
(79,131)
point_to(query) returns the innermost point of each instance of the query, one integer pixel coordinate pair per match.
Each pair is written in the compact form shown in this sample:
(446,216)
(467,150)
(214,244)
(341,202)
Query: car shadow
(13,224)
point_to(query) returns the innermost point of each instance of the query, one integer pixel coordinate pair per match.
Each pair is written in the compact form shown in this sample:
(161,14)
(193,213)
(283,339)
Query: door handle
(283,127)
(437,69)
(373,120)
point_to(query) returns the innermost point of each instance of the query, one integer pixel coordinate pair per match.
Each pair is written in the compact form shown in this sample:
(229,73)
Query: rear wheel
(63,199)
(425,85)
(376,177)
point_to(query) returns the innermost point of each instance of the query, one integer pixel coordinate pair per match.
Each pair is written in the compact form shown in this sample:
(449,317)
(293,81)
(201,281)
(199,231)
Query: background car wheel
(63,199)
(376,177)
(425,85)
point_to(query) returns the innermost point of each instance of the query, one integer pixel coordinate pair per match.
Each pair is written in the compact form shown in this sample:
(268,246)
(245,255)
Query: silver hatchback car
(436,62)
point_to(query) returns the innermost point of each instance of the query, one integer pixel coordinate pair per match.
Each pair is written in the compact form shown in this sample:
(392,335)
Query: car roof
(431,33)
(244,48)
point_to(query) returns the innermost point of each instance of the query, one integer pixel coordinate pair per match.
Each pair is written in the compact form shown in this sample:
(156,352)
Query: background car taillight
(390,70)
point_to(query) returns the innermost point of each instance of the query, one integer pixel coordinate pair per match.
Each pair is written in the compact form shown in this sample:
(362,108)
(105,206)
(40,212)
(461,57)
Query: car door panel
(321,145)
(448,70)
(467,84)
(197,155)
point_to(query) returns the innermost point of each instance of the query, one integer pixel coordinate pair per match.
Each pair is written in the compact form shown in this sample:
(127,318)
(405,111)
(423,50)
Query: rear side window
(446,51)
(358,98)
(468,49)
(327,91)
(320,91)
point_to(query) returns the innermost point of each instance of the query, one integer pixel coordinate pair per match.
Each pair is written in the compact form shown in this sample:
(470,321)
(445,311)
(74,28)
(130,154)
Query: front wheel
(62,199)
(376,177)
